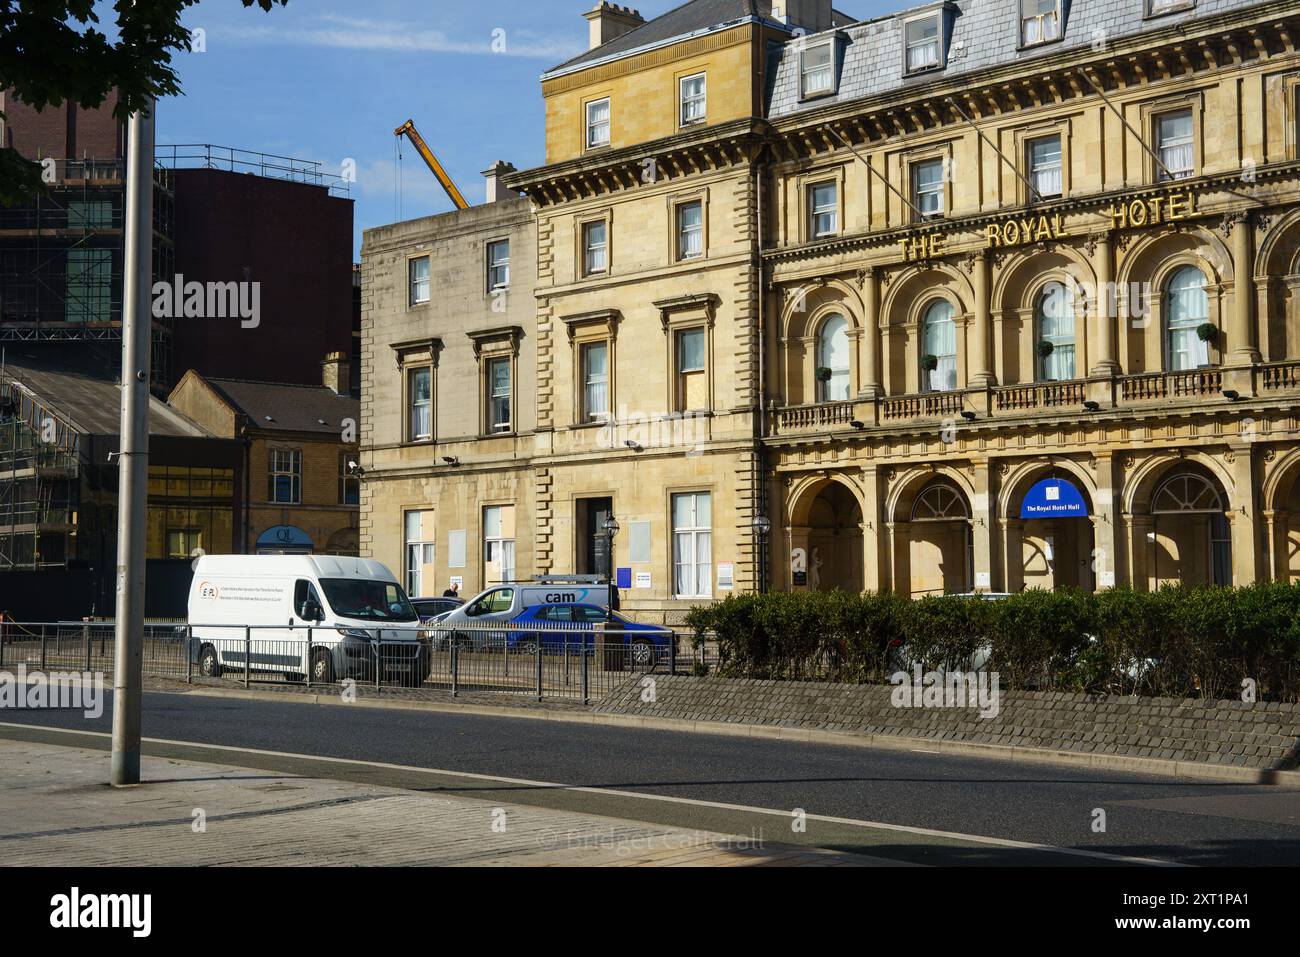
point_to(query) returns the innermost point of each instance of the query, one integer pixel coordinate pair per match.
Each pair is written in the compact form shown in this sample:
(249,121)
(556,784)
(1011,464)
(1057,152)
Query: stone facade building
(970,297)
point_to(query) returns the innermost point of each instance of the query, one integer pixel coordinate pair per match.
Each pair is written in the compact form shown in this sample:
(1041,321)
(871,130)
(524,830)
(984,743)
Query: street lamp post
(610,527)
(762,527)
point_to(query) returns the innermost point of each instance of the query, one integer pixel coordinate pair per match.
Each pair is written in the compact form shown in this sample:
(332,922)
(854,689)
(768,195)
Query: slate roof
(985,33)
(292,408)
(696,16)
(83,394)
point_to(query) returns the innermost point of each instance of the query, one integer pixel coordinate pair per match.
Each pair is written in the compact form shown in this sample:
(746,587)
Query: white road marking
(853,822)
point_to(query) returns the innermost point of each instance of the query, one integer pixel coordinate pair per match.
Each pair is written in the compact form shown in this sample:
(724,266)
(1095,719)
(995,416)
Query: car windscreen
(368,600)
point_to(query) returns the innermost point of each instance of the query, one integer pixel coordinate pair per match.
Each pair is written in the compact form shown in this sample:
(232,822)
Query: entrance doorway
(592,545)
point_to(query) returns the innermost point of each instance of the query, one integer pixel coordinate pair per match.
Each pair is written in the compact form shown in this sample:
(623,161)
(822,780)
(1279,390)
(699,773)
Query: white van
(356,615)
(469,626)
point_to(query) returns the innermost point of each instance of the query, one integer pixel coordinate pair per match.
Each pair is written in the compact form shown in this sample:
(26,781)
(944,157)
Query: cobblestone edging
(1262,736)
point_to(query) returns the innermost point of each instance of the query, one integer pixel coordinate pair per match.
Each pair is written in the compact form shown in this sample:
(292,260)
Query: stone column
(1241,331)
(869,377)
(982,519)
(1244,514)
(873,565)
(1142,552)
(1105,535)
(1106,305)
(1013,554)
(980,374)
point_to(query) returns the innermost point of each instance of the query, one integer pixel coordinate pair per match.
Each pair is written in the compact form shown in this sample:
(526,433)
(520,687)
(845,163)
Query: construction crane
(408,129)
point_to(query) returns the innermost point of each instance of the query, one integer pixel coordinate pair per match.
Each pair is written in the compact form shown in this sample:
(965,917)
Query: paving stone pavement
(56,810)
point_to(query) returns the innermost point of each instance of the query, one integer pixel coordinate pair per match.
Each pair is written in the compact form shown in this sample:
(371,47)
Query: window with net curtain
(693,545)
(833,355)
(693,99)
(1045,166)
(598,123)
(922,44)
(595,381)
(419,395)
(1186,307)
(939,339)
(1039,21)
(817,69)
(1054,317)
(690,230)
(1175,145)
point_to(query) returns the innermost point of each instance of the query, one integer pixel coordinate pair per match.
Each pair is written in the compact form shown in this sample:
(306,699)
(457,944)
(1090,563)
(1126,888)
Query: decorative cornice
(430,344)
(610,317)
(482,337)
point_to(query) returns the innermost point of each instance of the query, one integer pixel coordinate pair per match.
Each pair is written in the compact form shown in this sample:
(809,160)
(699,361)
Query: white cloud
(351,33)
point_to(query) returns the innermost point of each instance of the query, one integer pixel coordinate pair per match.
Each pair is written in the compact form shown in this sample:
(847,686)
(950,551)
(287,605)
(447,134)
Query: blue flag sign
(1054,498)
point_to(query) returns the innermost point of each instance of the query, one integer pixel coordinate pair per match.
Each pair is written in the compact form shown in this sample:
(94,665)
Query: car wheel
(209,662)
(322,666)
(527,646)
(643,654)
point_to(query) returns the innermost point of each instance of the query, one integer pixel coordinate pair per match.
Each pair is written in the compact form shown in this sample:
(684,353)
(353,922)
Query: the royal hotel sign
(1030,229)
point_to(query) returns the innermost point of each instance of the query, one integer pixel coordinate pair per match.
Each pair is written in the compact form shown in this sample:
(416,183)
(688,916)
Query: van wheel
(209,662)
(322,666)
(643,654)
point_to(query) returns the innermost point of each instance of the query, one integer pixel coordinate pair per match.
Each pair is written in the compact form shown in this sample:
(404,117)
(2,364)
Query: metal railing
(567,661)
(234,160)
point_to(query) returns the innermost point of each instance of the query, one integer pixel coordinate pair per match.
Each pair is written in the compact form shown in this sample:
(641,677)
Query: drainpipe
(248,487)
(760,452)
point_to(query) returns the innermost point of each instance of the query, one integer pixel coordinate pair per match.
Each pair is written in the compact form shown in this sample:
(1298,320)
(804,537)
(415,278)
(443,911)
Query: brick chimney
(813,15)
(496,190)
(336,373)
(609,21)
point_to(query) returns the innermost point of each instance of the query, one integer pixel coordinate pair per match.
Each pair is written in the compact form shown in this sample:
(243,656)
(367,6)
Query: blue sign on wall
(1054,498)
(623,578)
(284,536)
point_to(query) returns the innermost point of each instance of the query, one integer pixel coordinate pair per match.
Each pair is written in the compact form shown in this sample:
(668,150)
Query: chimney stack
(336,373)
(813,15)
(496,190)
(609,21)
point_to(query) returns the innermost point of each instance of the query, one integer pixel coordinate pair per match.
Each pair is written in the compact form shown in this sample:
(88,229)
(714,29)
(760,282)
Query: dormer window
(1040,21)
(1157,7)
(817,69)
(924,51)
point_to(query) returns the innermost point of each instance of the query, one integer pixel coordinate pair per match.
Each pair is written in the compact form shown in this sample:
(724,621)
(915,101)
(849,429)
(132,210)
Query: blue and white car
(556,626)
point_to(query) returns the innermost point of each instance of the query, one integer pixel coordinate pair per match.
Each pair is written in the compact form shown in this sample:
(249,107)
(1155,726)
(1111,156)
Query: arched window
(1054,319)
(1186,307)
(833,360)
(1191,494)
(940,502)
(939,339)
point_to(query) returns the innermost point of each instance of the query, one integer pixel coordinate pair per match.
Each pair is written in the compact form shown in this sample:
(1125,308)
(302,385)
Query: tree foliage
(55,51)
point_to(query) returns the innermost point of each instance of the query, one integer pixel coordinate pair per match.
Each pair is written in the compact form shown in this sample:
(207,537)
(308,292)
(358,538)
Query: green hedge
(1181,642)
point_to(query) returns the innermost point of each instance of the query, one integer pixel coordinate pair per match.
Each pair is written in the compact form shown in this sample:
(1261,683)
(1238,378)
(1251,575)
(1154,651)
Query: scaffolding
(39,483)
(61,258)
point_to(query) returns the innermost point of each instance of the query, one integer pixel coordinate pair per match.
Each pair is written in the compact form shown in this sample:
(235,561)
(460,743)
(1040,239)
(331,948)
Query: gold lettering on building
(1153,210)
(922,247)
(1018,232)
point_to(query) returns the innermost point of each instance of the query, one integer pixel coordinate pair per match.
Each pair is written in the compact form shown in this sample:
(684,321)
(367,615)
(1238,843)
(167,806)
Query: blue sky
(329,80)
